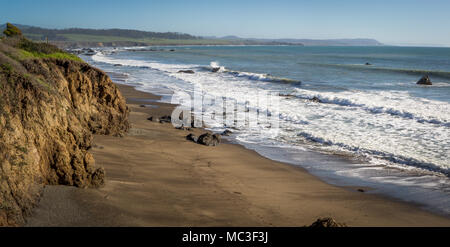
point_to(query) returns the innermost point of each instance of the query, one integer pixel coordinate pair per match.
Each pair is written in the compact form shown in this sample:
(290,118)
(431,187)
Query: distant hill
(100,35)
(313,42)
(82,37)
(335,42)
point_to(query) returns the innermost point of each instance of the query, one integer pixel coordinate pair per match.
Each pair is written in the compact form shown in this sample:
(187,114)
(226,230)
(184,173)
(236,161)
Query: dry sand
(155,177)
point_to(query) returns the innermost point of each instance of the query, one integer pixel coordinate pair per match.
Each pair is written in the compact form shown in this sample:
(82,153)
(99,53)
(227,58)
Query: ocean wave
(215,66)
(435,73)
(99,57)
(175,68)
(365,102)
(118,77)
(375,109)
(262,77)
(393,158)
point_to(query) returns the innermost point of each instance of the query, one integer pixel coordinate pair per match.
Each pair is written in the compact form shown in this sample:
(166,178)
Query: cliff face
(49,109)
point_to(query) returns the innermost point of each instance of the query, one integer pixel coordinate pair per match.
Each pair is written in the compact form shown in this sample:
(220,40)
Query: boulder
(165,119)
(153,119)
(187,71)
(326,222)
(209,139)
(425,80)
(316,99)
(184,128)
(214,70)
(98,178)
(192,137)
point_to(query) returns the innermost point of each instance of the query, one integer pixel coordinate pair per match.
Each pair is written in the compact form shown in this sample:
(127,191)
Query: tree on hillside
(12,30)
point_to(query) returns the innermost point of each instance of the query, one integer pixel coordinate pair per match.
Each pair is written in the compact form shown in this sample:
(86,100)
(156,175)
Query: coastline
(155,177)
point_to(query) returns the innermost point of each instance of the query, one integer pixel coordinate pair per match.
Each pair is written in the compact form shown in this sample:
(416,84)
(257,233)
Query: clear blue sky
(392,22)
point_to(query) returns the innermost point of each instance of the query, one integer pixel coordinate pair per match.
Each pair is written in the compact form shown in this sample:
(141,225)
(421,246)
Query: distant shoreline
(88,37)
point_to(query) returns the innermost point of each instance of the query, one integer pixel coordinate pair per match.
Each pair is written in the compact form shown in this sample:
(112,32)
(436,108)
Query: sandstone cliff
(50,105)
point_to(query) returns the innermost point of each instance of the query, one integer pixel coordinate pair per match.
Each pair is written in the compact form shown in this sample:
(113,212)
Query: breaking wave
(418,72)
(383,105)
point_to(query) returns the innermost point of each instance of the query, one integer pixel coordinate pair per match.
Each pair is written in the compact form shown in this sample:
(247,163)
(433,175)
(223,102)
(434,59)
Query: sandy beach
(155,177)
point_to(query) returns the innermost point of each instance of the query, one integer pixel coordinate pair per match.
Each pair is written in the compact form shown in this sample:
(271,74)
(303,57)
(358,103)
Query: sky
(397,22)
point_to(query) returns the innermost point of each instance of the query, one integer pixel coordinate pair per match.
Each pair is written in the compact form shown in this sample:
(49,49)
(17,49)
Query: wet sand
(155,177)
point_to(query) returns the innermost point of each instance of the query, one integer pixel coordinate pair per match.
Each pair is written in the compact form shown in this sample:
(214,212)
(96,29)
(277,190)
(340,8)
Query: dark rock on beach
(163,119)
(325,223)
(425,80)
(98,178)
(209,139)
(184,128)
(153,119)
(192,137)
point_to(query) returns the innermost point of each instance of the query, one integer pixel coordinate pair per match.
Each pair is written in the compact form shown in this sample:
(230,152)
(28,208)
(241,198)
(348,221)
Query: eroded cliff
(50,106)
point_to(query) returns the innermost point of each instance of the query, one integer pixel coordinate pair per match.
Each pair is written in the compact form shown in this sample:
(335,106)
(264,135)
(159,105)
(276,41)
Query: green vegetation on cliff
(58,55)
(26,49)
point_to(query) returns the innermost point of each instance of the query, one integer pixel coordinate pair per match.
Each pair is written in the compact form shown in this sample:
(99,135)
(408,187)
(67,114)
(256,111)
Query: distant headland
(81,37)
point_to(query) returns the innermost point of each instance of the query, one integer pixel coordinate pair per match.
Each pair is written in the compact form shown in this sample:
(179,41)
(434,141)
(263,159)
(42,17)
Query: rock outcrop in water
(187,71)
(425,80)
(316,100)
(51,104)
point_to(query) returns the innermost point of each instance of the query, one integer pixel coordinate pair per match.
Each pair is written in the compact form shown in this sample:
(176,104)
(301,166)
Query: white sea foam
(399,104)
(391,126)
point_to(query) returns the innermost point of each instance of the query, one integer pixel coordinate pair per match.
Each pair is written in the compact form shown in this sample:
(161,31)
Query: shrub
(35,47)
(12,30)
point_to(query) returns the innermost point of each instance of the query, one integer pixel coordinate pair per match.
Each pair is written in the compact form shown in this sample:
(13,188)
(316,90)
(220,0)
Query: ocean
(370,125)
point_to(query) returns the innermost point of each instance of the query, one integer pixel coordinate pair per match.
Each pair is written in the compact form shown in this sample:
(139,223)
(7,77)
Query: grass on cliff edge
(30,49)
(59,55)
(20,48)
